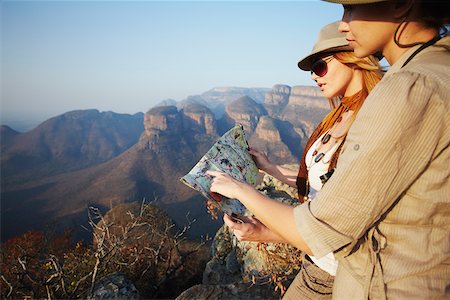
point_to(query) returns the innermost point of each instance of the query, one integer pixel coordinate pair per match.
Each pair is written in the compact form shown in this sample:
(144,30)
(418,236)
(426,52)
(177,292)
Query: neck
(408,34)
(355,84)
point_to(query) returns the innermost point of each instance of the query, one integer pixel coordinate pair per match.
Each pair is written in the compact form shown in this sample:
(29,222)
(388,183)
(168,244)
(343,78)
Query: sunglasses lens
(319,68)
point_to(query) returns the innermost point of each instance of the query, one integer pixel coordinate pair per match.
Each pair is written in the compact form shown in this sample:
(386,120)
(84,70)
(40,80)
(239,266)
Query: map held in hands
(229,155)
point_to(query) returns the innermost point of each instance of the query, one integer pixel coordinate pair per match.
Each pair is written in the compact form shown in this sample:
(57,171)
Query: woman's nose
(343,26)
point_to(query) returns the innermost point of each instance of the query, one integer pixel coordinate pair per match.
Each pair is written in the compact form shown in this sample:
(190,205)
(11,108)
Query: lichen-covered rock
(223,268)
(269,262)
(249,270)
(277,189)
(234,291)
(114,286)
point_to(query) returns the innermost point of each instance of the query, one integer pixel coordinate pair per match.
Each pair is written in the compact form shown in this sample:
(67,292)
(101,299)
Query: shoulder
(426,77)
(433,65)
(416,93)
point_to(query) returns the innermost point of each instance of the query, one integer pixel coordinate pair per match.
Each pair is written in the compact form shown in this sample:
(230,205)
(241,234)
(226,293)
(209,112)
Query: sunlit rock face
(199,118)
(307,96)
(277,98)
(245,111)
(162,118)
(266,130)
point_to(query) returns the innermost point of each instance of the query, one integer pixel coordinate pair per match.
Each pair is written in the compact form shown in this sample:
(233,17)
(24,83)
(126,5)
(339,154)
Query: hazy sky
(126,56)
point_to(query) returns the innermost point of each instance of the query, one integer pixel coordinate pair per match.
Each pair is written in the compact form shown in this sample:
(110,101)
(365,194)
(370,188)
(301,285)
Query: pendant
(319,157)
(326,138)
(314,153)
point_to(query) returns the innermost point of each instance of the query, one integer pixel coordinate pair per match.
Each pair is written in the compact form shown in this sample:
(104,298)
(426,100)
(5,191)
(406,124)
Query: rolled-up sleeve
(402,125)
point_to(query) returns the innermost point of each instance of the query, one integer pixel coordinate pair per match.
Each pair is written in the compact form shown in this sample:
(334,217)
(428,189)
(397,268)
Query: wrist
(270,169)
(243,191)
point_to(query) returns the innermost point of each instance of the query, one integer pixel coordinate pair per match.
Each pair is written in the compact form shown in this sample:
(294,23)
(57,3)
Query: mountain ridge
(144,157)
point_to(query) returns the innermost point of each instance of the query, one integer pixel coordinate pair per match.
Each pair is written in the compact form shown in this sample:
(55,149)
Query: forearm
(277,216)
(273,237)
(285,175)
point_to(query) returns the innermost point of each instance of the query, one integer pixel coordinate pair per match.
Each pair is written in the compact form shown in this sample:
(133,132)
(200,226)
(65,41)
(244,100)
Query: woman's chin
(362,52)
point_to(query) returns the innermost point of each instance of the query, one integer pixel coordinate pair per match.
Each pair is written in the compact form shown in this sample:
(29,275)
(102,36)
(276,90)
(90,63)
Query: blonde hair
(369,66)
(371,75)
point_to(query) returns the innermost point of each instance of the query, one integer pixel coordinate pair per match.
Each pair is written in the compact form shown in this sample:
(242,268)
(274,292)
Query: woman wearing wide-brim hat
(385,211)
(345,80)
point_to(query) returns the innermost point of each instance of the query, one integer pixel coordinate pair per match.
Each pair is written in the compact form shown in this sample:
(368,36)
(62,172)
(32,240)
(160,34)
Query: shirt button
(356,147)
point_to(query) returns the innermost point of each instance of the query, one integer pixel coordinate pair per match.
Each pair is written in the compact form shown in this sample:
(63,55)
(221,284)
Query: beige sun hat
(329,40)
(352,2)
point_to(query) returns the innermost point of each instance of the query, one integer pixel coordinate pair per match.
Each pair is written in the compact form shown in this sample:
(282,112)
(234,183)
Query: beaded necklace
(348,104)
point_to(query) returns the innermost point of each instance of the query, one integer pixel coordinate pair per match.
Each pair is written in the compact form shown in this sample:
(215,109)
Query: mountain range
(53,173)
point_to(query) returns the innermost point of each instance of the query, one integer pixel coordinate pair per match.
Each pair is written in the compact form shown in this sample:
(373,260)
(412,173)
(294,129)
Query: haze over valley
(54,172)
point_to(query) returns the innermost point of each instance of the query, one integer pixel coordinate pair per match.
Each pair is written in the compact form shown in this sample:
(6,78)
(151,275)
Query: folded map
(229,155)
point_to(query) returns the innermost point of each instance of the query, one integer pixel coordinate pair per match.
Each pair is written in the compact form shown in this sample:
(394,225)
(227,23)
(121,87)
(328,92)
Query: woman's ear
(402,8)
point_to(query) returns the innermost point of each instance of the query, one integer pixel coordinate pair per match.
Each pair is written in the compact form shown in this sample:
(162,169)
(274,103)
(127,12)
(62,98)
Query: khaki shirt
(385,212)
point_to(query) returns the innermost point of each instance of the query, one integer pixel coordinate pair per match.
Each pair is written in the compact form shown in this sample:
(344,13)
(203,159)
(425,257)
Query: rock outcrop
(113,286)
(249,270)
(266,130)
(246,112)
(277,98)
(199,118)
(162,119)
(268,138)
(305,108)
(166,126)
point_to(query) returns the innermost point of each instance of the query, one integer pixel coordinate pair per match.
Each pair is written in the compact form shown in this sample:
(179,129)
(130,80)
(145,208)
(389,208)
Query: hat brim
(306,62)
(352,2)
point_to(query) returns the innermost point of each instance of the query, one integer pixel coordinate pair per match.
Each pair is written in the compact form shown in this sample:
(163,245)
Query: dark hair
(434,13)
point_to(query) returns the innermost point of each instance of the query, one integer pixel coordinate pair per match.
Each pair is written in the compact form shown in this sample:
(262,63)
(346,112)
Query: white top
(327,263)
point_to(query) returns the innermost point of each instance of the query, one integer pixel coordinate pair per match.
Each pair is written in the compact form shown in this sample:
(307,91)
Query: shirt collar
(445,41)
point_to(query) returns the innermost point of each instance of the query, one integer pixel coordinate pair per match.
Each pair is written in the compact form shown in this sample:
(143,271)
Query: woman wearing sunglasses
(345,80)
(385,212)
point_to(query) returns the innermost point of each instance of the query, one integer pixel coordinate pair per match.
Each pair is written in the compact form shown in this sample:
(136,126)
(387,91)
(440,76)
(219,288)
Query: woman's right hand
(261,159)
(251,230)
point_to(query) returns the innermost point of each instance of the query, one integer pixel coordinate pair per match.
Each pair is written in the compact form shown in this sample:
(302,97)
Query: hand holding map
(229,155)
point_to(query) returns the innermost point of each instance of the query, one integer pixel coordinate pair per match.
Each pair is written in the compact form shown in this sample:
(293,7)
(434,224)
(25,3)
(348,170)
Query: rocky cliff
(87,158)
(249,270)
(199,118)
(245,111)
(268,137)
(305,108)
(277,98)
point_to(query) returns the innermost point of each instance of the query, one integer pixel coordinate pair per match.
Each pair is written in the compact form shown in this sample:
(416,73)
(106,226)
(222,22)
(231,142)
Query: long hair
(371,75)
(369,66)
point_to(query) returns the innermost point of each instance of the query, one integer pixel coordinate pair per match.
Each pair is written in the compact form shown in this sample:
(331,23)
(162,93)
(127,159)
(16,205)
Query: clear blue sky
(126,56)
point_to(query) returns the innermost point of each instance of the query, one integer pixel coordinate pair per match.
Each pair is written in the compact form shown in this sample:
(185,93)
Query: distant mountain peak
(162,110)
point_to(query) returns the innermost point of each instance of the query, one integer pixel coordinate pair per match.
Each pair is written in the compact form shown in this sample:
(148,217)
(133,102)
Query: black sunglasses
(319,67)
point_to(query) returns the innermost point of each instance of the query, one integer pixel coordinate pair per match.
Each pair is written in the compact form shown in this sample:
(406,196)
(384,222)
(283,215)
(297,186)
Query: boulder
(249,270)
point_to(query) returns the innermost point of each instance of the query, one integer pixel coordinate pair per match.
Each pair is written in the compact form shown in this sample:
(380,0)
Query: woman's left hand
(252,230)
(225,185)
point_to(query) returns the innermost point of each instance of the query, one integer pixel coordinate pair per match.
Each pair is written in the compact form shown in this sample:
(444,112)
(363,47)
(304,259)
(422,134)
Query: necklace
(324,145)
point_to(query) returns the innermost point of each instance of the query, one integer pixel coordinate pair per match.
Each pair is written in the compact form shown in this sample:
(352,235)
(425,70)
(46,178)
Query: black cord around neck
(425,45)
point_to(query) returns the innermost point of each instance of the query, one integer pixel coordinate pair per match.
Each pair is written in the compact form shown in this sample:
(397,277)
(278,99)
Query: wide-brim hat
(352,2)
(330,40)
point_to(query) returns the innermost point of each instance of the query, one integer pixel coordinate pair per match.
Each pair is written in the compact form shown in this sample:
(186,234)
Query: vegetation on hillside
(137,240)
